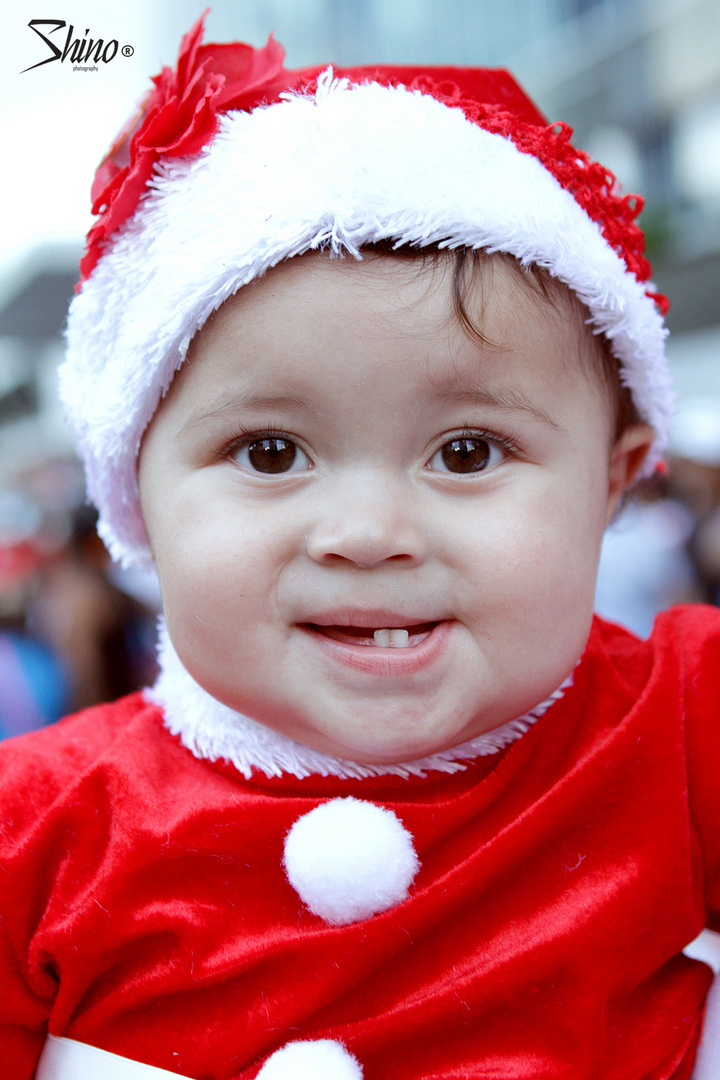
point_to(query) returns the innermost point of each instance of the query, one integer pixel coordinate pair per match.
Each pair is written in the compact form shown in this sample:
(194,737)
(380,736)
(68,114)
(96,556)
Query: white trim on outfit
(67,1059)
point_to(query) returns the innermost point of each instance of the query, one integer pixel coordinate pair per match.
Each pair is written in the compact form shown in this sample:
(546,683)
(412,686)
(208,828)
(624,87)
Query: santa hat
(234,164)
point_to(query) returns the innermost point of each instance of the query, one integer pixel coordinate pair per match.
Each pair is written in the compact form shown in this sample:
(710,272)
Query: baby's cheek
(220,602)
(539,563)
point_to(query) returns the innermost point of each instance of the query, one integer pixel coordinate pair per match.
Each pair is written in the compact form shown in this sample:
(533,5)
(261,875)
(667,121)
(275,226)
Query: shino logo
(79,51)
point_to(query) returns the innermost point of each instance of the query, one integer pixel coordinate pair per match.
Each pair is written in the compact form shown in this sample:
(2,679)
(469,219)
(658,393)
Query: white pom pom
(349,860)
(322,1059)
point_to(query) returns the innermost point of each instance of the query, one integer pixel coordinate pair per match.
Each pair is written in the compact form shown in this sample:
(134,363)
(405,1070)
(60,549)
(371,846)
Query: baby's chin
(387,747)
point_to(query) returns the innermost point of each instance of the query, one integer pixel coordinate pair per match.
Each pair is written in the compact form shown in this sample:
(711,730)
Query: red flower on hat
(177,118)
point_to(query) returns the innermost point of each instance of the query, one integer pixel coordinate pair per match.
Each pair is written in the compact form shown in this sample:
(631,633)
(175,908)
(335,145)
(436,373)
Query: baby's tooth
(396,637)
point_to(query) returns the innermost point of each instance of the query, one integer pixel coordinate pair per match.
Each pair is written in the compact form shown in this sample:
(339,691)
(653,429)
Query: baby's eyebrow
(500,398)
(230,403)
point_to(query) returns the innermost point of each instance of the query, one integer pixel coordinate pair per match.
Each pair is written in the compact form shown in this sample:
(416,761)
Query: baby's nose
(370,523)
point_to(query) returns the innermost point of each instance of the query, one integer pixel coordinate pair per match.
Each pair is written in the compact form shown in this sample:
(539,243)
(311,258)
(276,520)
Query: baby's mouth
(396,637)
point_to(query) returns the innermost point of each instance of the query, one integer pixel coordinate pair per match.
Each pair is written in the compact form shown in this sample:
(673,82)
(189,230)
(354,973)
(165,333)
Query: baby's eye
(468,454)
(271,454)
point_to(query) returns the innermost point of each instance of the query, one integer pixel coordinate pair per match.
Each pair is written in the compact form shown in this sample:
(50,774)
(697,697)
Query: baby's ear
(626,459)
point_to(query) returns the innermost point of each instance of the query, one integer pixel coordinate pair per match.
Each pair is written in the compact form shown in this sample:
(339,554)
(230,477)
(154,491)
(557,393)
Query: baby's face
(373,534)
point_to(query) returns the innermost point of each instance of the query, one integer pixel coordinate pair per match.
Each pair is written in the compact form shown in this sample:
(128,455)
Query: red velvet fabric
(144,908)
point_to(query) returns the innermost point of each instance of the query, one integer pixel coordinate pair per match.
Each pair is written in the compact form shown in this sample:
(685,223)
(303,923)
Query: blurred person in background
(71,636)
(645,566)
(34,681)
(664,546)
(694,477)
(104,636)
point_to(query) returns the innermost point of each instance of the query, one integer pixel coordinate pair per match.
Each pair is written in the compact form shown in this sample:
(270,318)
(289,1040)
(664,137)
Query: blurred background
(639,80)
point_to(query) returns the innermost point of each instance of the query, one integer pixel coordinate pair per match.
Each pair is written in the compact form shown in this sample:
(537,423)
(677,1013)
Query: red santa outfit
(147,910)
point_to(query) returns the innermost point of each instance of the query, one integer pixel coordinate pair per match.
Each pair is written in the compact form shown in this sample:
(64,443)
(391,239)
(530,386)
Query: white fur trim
(349,860)
(321,1059)
(68,1059)
(211,730)
(348,166)
(707,1062)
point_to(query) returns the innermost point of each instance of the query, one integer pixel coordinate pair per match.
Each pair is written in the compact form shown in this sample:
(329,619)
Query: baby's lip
(366,635)
(380,627)
(357,619)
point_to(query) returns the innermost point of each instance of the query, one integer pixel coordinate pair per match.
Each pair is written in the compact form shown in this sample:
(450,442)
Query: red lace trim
(592,186)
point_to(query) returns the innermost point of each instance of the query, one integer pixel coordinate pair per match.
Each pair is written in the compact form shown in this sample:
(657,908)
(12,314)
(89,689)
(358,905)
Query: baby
(363,363)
